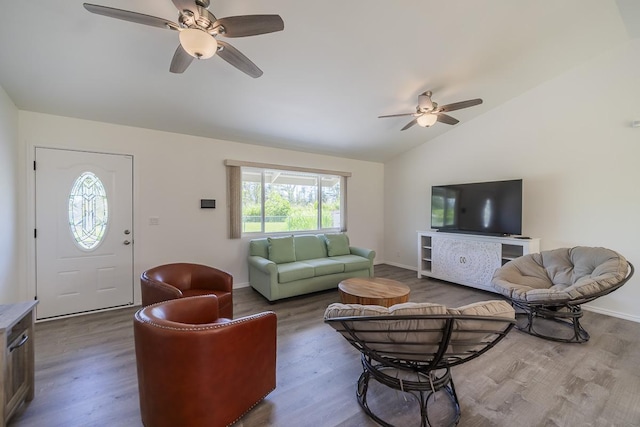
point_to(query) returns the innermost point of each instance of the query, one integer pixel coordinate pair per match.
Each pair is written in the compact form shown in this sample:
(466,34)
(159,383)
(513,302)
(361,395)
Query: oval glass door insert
(88,211)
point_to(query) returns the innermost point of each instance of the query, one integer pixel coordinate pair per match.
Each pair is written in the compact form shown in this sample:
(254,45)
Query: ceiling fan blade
(397,115)
(234,57)
(249,25)
(411,123)
(126,15)
(460,105)
(443,118)
(181,60)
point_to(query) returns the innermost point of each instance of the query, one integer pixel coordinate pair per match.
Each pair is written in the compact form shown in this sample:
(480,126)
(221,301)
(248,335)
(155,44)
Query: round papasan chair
(553,284)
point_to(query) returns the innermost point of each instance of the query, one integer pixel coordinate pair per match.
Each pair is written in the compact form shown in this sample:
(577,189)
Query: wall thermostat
(207,203)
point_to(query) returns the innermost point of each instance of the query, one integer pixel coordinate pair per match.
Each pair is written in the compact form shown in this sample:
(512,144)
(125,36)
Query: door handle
(24,339)
(126,242)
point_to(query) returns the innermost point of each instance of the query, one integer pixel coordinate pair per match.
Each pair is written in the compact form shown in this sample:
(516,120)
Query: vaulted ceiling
(336,66)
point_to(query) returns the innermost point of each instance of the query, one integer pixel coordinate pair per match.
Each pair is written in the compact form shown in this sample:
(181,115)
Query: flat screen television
(492,208)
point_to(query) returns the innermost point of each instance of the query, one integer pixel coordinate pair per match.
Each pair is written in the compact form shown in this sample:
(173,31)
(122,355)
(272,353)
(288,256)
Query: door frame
(28,292)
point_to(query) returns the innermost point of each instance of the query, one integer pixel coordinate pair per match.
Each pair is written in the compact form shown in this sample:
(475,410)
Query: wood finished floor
(86,374)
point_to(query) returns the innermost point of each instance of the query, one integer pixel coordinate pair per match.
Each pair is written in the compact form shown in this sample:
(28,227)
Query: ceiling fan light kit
(198,29)
(426,120)
(197,43)
(428,112)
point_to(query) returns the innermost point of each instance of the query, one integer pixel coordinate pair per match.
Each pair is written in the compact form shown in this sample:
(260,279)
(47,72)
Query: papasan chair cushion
(552,284)
(561,275)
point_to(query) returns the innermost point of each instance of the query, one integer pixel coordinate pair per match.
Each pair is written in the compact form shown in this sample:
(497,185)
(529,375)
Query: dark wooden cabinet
(17,357)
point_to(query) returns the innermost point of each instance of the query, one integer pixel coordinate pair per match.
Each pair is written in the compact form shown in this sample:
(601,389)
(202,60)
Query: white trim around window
(302,199)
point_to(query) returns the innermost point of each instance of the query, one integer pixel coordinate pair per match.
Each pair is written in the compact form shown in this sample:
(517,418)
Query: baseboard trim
(406,267)
(240,285)
(611,313)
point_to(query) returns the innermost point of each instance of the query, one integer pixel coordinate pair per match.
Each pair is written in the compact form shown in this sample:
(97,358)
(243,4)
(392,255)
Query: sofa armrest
(263,264)
(366,253)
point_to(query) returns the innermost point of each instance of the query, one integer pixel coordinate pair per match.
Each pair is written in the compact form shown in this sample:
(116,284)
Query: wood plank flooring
(86,374)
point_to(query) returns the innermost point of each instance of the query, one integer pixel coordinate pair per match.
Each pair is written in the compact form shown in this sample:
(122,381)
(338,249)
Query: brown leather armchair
(171,281)
(198,370)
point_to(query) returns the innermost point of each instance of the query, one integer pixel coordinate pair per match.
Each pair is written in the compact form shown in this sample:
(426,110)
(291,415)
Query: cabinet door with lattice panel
(466,262)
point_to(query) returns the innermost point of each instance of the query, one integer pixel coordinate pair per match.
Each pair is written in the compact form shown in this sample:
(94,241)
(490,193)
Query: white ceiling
(336,66)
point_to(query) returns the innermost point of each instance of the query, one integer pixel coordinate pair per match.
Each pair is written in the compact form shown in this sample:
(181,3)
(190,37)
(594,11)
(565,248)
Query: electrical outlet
(154,220)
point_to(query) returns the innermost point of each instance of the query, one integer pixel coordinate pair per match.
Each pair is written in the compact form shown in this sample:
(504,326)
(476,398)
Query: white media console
(468,259)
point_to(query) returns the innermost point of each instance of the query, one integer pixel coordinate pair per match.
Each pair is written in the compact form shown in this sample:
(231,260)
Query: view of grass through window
(276,201)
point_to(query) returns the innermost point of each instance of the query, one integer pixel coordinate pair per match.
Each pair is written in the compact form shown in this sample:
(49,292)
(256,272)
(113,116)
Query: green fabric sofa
(284,267)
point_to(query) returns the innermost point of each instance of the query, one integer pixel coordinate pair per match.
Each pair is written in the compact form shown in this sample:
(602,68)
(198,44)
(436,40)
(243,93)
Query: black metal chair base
(567,316)
(421,390)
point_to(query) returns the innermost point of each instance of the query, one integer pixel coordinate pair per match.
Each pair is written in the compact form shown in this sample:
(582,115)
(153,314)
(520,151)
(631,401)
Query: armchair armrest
(367,253)
(246,349)
(153,291)
(249,334)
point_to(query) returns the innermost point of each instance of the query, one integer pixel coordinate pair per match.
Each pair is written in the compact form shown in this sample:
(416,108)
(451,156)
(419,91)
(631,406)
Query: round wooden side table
(373,291)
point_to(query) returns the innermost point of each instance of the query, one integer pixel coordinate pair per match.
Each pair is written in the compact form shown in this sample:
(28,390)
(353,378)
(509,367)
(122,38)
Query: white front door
(84,234)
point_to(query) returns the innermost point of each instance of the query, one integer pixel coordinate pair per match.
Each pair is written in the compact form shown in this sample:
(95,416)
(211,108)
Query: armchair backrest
(184,276)
(196,369)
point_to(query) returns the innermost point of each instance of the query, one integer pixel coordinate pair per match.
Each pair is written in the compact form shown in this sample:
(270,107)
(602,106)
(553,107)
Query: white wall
(571,141)
(172,172)
(10,271)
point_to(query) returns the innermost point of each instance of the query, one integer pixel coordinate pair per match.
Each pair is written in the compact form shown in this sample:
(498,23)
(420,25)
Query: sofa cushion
(337,244)
(309,247)
(353,262)
(259,247)
(281,249)
(292,271)
(323,266)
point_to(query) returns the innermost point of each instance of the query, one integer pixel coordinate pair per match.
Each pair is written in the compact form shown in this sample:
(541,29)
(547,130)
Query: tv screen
(493,208)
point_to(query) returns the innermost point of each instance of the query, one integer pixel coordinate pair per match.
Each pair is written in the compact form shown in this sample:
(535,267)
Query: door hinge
(35,298)
(34,165)
(35,233)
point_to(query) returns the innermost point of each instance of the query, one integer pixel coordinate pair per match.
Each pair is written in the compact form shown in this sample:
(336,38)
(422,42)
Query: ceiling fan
(428,112)
(198,29)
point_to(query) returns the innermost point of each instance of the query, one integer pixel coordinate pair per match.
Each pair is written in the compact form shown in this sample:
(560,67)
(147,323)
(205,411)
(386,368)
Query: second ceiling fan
(428,112)
(198,31)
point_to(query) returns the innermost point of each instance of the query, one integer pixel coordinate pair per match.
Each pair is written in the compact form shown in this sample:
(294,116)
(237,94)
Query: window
(272,199)
(88,211)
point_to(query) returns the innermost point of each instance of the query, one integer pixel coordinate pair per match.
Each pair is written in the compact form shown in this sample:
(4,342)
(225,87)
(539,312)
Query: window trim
(234,192)
(283,167)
